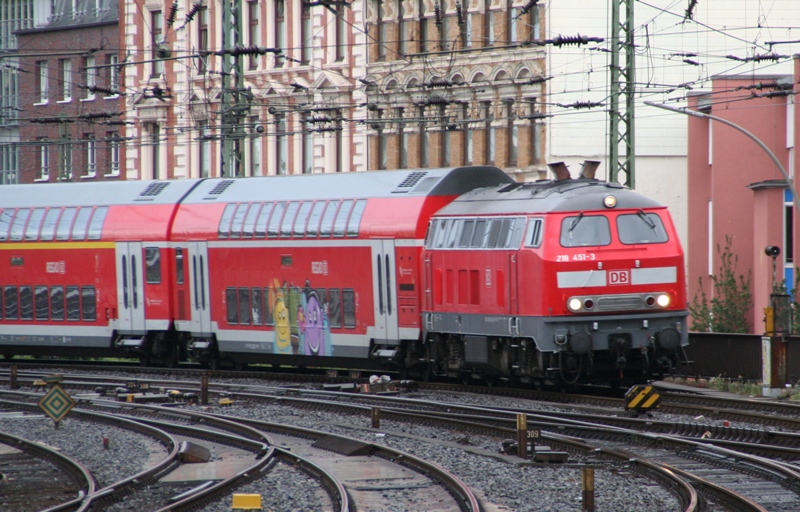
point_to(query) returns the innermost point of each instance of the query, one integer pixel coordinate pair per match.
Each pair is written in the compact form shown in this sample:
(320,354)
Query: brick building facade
(72,118)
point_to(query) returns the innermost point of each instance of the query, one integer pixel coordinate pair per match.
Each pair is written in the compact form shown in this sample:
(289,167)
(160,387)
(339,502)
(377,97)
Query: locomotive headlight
(663,300)
(574,304)
(610,201)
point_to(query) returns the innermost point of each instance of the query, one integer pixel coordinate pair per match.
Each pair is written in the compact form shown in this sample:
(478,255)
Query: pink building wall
(744,187)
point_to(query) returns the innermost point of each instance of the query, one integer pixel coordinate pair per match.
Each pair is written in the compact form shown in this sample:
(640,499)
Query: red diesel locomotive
(460,272)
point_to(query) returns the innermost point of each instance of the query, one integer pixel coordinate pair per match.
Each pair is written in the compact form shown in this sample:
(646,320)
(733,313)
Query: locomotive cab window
(585,230)
(641,228)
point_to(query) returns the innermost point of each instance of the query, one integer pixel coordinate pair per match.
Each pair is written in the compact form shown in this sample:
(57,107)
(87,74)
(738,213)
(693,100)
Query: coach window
(18,226)
(2,311)
(340,223)
(88,304)
(96,224)
(249,226)
(288,219)
(349,307)
(534,236)
(179,266)
(275,220)
(230,299)
(583,231)
(32,231)
(312,229)
(244,306)
(225,222)
(355,218)
(25,303)
(42,311)
(238,220)
(65,224)
(302,219)
(81,221)
(57,303)
(261,223)
(49,224)
(10,296)
(73,303)
(335,309)
(258,308)
(641,228)
(269,295)
(5,222)
(326,226)
(152,259)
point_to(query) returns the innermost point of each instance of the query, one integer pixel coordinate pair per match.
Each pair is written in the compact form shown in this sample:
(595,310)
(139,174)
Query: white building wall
(718,28)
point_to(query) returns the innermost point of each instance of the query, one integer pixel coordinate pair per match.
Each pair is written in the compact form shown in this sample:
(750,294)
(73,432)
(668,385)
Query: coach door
(385,291)
(198,282)
(130,288)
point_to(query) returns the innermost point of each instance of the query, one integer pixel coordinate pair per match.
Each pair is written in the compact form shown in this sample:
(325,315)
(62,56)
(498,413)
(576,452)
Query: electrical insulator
(173,11)
(459,13)
(437,11)
(528,6)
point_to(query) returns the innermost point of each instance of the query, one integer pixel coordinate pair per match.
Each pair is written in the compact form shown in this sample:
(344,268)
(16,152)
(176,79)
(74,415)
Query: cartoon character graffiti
(314,329)
(280,311)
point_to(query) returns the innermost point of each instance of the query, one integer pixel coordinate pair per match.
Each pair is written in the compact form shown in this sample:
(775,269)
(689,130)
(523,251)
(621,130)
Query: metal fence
(737,356)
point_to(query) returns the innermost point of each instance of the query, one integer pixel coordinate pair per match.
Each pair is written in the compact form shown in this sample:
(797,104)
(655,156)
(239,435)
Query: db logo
(619,277)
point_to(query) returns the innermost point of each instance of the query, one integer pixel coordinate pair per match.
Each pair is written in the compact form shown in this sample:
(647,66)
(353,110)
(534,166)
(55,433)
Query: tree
(732,299)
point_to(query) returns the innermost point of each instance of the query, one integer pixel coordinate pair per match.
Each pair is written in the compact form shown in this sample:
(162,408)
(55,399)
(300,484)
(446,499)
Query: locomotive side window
(258,308)
(582,231)
(355,217)
(263,218)
(466,234)
(224,230)
(312,229)
(152,262)
(25,303)
(479,234)
(335,309)
(232,309)
(81,220)
(17,228)
(57,303)
(88,304)
(41,296)
(452,234)
(641,228)
(5,222)
(49,224)
(73,304)
(349,307)
(534,235)
(302,219)
(65,224)
(496,227)
(96,224)
(32,231)
(10,299)
(326,225)
(275,220)
(249,226)
(288,219)
(339,226)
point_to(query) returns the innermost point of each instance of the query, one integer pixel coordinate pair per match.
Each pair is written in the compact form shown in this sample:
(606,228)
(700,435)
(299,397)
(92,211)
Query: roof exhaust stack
(560,170)
(588,168)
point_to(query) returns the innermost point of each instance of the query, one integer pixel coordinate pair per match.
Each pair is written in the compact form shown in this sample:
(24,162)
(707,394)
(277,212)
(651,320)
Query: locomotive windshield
(641,228)
(585,230)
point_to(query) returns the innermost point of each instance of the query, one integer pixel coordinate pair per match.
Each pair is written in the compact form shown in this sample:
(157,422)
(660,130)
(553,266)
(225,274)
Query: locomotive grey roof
(351,185)
(546,196)
(100,193)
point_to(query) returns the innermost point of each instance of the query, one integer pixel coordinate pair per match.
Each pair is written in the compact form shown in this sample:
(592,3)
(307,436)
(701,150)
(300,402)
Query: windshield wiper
(647,219)
(575,223)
